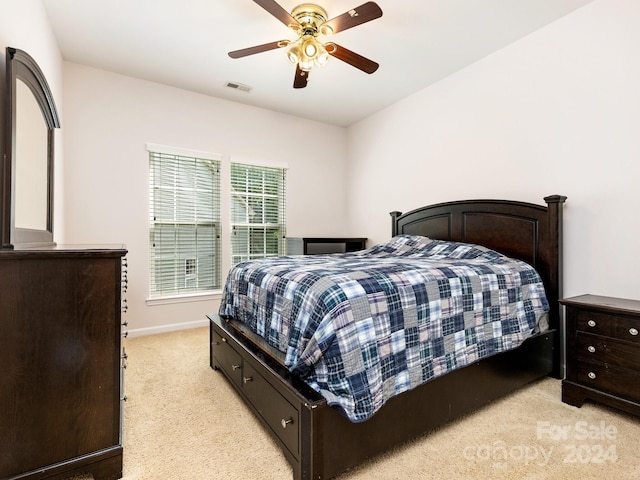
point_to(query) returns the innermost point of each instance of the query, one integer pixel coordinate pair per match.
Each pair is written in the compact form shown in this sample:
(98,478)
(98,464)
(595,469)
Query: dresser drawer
(226,357)
(609,378)
(628,329)
(281,416)
(607,350)
(593,322)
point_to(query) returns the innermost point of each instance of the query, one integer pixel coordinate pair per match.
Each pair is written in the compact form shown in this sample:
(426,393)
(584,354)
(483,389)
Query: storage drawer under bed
(280,411)
(226,358)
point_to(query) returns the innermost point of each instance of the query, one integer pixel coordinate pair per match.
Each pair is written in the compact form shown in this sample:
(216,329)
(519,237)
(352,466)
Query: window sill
(190,297)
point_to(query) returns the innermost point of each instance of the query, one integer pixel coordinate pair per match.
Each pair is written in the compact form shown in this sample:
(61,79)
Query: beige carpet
(184,421)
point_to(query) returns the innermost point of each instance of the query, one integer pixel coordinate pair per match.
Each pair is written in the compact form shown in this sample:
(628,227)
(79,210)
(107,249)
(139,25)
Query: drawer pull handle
(286,422)
(591,323)
(591,349)
(247,379)
(591,375)
(224,340)
(235,367)
(633,331)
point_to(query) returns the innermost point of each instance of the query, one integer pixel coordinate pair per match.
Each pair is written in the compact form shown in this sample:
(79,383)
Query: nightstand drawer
(628,329)
(607,350)
(594,322)
(610,379)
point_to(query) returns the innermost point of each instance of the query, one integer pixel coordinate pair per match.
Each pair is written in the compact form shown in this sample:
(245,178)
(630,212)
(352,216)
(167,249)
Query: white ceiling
(184,43)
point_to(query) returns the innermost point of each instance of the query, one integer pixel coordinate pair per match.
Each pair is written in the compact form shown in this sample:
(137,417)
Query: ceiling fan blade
(352,58)
(258,49)
(356,16)
(301,78)
(277,11)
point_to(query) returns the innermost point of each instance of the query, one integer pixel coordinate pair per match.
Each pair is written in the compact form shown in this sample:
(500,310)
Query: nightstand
(603,352)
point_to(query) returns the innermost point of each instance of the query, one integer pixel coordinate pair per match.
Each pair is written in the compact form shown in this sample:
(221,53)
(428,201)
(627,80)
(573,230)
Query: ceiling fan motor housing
(310,17)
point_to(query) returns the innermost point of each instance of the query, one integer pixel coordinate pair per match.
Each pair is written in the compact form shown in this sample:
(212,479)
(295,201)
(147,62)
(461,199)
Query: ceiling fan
(309,21)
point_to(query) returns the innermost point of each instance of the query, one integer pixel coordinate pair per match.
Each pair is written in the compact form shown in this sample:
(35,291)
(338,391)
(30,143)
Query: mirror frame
(20,65)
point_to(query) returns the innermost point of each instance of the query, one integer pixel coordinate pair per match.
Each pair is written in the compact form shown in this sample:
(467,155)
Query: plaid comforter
(362,327)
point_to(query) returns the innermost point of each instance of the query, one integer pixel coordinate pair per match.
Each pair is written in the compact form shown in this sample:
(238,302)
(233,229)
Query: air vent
(238,86)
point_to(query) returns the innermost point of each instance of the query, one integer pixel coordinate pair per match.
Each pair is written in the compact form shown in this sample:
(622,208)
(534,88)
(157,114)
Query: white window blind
(184,231)
(258,196)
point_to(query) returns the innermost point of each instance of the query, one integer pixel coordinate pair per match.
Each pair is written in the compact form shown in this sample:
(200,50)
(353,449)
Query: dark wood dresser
(61,360)
(603,352)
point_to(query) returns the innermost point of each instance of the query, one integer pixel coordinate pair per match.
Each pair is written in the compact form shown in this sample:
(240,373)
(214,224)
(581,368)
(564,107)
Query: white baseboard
(139,332)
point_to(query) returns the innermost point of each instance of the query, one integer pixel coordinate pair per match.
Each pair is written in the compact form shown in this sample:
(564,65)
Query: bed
(318,439)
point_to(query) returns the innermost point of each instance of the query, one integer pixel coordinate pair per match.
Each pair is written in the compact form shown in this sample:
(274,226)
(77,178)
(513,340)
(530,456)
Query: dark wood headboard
(528,232)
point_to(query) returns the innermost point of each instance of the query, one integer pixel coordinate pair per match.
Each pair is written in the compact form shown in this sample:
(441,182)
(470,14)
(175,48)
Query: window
(184,230)
(257,212)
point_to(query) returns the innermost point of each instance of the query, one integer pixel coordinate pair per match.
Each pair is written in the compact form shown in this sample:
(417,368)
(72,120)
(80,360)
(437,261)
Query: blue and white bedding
(362,327)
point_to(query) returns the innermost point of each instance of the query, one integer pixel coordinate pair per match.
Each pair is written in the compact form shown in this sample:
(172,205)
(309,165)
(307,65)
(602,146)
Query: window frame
(272,177)
(155,296)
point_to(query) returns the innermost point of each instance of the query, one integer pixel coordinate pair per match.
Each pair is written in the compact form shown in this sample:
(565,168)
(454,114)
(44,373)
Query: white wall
(109,120)
(556,112)
(24,25)
(566,99)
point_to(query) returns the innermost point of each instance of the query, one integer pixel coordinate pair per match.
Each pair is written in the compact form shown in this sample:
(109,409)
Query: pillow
(414,246)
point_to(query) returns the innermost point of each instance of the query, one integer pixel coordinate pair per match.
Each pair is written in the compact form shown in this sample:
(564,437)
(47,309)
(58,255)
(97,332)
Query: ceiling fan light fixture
(305,64)
(306,52)
(294,53)
(310,47)
(322,57)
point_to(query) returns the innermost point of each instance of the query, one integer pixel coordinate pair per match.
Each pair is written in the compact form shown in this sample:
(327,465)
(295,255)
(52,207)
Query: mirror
(27,170)
(31,162)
